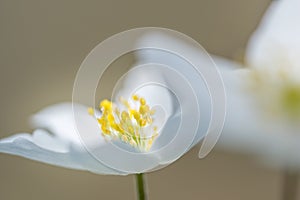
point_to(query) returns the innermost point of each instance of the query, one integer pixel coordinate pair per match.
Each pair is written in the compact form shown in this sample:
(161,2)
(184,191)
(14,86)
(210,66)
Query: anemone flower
(264,104)
(151,119)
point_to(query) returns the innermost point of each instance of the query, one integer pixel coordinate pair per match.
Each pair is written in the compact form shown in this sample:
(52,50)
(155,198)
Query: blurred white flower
(264,100)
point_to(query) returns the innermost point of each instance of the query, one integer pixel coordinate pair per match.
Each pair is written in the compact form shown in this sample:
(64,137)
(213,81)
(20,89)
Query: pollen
(135,97)
(91,111)
(131,122)
(142,101)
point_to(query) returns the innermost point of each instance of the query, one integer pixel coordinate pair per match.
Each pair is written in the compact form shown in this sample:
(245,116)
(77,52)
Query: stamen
(130,125)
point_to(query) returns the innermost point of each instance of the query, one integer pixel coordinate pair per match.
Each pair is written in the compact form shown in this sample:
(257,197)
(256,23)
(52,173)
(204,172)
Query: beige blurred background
(42,46)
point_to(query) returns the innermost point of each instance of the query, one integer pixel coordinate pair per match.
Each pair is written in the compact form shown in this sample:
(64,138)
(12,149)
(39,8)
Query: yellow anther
(142,122)
(91,111)
(114,126)
(135,114)
(130,129)
(128,124)
(124,116)
(144,109)
(142,101)
(105,130)
(135,97)
(100,121)
(120,129)
(110,118)
(106,105)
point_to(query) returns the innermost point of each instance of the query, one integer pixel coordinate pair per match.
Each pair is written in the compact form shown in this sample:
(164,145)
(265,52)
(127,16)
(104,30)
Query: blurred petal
(248,130)
(276,40)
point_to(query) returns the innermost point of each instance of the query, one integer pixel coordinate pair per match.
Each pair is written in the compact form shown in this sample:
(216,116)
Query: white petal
(44,147)
(276,41)
(186,71)
(59,119)
(248,130)
(146,82)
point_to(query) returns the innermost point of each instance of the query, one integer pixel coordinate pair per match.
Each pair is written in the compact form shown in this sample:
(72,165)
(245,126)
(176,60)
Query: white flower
(57,142)
(264,100)
(146,120)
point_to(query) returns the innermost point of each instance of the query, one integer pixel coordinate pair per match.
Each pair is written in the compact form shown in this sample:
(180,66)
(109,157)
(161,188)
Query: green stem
(140,187)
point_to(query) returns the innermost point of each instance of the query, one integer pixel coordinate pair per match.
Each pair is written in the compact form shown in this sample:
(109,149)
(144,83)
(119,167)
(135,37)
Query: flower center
(291,100)
(132,122)
(277,93)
